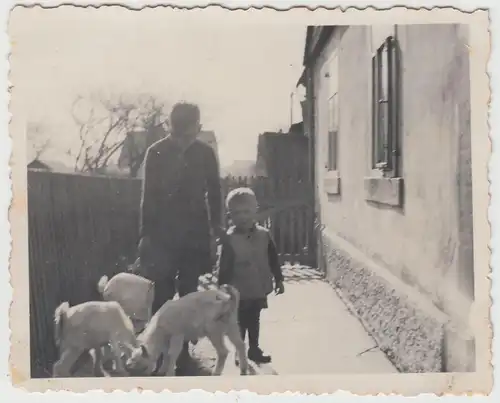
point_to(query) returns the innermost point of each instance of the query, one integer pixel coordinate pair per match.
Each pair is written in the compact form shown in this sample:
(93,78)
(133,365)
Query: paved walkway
(307,330)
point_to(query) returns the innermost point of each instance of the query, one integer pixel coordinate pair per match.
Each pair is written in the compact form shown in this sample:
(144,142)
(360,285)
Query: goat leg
(217,340)
(234,337)
(62,368)
(98,361)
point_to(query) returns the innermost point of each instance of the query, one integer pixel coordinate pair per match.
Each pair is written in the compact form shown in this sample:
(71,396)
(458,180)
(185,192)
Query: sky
(240,71)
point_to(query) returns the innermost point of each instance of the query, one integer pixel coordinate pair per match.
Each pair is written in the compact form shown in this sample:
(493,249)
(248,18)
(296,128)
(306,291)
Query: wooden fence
(80,226)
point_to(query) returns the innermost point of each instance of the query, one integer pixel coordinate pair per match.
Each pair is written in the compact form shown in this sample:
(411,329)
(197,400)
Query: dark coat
(177,188)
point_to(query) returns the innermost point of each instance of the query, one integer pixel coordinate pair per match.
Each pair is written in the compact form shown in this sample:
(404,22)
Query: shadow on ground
(300,274)
(203,366)
(196,366)
(291,273)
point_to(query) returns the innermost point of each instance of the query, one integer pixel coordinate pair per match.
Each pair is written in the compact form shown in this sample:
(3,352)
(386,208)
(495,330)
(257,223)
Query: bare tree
(103,125)
(37,138)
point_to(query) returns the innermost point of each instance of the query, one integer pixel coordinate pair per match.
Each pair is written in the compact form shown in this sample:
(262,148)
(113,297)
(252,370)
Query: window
(333,113)
(385,108)
(332,132)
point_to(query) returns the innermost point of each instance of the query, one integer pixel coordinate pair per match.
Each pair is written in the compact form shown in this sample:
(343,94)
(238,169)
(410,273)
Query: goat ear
(144,351)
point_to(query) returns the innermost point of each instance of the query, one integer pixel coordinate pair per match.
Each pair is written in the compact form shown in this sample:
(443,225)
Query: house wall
(420,251)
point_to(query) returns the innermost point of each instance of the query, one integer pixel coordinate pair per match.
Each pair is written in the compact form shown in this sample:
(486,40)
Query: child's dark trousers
(249,321)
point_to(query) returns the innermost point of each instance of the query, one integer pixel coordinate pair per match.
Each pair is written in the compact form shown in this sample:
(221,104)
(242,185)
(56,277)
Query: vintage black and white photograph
(239,194)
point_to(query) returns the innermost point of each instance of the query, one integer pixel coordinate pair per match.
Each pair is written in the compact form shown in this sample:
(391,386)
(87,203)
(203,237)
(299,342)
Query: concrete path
(307,330)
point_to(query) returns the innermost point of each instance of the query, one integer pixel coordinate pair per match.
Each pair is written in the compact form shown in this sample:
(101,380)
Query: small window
(333,113)
(385,108)
(332,132)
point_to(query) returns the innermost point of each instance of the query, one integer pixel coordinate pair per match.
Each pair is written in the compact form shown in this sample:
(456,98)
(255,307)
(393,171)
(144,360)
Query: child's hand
(280,288)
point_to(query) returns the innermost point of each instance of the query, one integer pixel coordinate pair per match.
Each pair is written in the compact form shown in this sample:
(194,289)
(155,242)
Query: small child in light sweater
(249,261)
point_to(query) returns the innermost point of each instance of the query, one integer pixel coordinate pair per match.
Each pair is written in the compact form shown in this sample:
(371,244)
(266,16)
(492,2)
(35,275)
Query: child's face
(243,213)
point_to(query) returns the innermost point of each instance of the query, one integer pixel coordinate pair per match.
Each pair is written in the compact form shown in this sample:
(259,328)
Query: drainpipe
(315,249)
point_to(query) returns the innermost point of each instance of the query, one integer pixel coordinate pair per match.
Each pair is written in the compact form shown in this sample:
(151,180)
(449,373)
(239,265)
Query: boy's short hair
(183,115)
(239,195)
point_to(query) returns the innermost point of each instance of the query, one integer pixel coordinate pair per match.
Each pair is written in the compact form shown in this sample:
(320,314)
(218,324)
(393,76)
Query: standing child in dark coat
(249,261)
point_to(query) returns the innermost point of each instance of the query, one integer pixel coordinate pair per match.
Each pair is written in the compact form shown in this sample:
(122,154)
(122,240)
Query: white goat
(134,293)
(212,314)
(91,325)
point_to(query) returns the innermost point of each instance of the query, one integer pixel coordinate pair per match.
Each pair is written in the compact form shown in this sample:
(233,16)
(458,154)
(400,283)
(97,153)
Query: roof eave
(311,54)
(312,51)
(309,31)
(302,79)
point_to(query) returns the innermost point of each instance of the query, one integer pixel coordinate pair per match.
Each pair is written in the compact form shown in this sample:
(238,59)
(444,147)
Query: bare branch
(38,138)
(103,131)
(112,151)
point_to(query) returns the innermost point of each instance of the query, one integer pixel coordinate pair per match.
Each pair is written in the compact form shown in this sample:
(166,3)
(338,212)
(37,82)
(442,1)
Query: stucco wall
(419,242)
(427,243)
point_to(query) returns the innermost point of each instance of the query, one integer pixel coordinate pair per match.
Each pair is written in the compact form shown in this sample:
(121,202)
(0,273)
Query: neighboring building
(51,166)
(37,164)
(297,128)
(392,166)
(136,144)
(283,156)
(239,168)
(134,148)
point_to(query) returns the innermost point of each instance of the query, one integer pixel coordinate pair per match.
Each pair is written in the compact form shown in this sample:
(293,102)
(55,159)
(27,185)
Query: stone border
(412,341)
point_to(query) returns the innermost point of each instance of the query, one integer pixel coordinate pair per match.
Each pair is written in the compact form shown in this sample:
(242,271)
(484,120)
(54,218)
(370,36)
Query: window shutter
(394,104)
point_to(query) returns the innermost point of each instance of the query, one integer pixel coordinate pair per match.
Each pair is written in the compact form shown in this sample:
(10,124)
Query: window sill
(386,191)
(331,183)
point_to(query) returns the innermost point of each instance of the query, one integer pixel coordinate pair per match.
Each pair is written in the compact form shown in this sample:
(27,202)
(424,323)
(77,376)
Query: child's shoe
(256,355)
